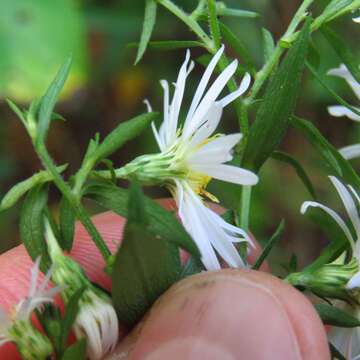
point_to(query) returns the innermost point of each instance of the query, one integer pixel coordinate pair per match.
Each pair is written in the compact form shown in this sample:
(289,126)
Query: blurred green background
(105,88)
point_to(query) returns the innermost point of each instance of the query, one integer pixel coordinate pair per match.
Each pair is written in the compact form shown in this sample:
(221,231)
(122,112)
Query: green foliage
(269,245)
(145,265)
(76,351)
(331,315)
(337,165)
(273,115)
(162,222)
(269,44)
(49,100)
(148,25)
(343,50)
(192,266)
(32,225)
(284,157)
(170,45)
(67,224)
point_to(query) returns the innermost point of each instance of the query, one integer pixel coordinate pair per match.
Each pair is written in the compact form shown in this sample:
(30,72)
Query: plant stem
(74,201)
(195,14)
(245,207)
(266,70)
(189,21)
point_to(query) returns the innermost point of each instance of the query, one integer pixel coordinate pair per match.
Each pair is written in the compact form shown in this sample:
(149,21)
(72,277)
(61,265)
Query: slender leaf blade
(67,224)
(50,98)
(76,351)
(273,115)
(161,221)
(331,315)
(284,157)
(148,26)
(145,266)
(269,44)
(123,133)
(343,50)
(32,225)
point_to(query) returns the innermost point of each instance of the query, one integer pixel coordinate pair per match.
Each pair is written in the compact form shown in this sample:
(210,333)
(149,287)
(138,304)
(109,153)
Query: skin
(227,314)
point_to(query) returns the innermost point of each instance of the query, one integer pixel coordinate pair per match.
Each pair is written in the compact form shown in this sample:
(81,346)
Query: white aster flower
(18,328)
(351,151)
(191,155)
(347,341)
(96,319)
(357,19)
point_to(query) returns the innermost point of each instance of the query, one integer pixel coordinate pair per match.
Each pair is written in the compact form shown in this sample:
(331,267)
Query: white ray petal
(209,98)
(333,214)
(228,173)
(148,105)
(216,151)
(157,137)
(208,127)
(355,344)
(354,282)
(34,271)
(343,71)
(177,99)
(340,110)
(350,152)
(202,85)
(164,126)
(244,85)
(340,338)
(348,203)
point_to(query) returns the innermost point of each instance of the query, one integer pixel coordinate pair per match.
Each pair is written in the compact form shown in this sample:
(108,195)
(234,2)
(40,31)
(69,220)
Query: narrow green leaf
(331,315)
(76,351)
(16,110)
(331,92)
(71,311)
(145,266)
(213,22)
(273,115)
(231,12)
(237,46)
(278,155)
(169,45)
(269,44)
(67,224)
(343,50)
(314,55)
(191,267)
(269,245)
(335,353)
(330,12)
(32,225)
(50,98)
(337,164)
(148,26)
(161,221)
(18,190)
(123,133)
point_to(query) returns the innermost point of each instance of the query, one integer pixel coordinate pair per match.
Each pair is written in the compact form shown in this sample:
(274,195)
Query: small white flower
(192,156)
(351,151)
(97,321)
(347,341)
(18,327)
(357,19)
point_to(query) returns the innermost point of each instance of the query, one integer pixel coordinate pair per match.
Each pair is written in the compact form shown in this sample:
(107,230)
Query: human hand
(227,314)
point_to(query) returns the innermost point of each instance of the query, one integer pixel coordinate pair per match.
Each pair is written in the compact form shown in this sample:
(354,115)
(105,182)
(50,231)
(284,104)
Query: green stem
(245,207)
(189,21)
(199,9)
(213,22)
(79,209)
(266,70)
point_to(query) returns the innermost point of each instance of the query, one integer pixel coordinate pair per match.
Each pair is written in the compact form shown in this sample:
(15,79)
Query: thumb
(228,315)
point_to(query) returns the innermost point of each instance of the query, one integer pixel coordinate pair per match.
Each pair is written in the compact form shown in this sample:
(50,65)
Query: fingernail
(179,349)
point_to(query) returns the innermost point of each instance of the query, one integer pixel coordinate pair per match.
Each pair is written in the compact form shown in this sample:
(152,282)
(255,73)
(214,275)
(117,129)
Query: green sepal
(76,351)
(145,266)
(161,221)
(274,112)
(32,225)
(148,26)
(331,315)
